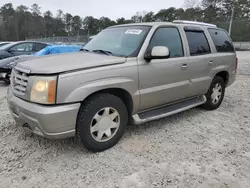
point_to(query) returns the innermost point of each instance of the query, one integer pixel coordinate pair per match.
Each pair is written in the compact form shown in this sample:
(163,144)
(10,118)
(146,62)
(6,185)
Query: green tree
(195,14)
(91,25)
(21,22)
(35,9)
(105,22)
(149,17)
(8,22)
(48,23)
(24,22)
(166,14)
(76,25)
(59,28)
(123,21)
(68,20)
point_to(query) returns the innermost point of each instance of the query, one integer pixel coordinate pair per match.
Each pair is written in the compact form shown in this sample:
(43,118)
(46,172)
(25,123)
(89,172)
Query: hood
(68,62)
(2,50)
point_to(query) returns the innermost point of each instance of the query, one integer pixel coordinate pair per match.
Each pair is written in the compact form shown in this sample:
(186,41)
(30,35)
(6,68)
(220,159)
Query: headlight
(44,90)
(11,65)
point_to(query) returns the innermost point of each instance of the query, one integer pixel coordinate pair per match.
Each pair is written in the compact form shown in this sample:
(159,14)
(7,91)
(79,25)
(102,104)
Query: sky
(97,8)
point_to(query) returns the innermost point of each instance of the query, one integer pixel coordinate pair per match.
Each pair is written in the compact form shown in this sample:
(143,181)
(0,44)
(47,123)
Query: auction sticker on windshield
(133,31)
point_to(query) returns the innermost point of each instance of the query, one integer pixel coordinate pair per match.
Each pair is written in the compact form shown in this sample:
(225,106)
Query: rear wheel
(101,122)
(215,94)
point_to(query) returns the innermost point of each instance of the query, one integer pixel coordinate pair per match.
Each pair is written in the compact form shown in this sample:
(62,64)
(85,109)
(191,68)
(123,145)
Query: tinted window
(221,40)
(39,46)
(170,38)
(198,44)
(23,47)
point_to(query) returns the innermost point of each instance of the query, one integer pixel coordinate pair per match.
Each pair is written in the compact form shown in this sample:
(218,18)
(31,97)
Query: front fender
(4,54)
(81,92)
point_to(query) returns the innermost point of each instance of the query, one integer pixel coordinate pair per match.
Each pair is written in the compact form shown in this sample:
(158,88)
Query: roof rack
(194,23)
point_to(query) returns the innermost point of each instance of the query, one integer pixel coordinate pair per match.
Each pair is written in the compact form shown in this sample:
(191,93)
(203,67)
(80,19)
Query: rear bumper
(232,78)
(53,122)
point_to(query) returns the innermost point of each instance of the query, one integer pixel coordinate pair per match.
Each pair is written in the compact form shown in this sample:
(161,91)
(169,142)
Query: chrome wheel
(216,93)
(105,124)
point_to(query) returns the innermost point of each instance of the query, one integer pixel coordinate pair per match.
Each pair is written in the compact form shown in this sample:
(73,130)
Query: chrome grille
(19,82)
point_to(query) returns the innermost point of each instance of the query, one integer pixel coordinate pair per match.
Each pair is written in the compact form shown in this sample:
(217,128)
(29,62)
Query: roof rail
(194,23)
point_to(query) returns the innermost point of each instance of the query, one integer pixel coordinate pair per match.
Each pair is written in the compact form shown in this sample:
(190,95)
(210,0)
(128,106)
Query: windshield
(119,41)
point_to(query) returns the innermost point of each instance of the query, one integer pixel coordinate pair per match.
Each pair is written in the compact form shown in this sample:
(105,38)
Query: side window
(221,40)
(198,44)
(39,46)
(169,37)
(24,47)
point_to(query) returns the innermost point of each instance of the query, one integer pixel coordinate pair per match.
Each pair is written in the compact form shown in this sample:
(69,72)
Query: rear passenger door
(200,60)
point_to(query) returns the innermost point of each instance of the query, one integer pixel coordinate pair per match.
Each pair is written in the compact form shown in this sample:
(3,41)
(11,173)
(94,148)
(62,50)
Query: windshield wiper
(84,49)
(103,52)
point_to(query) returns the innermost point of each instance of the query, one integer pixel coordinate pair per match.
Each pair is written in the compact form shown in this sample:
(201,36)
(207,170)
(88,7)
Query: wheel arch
(224,75)
(123,94)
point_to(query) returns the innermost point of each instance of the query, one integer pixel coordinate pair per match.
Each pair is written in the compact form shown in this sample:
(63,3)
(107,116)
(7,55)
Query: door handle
(210,63)
(184,67)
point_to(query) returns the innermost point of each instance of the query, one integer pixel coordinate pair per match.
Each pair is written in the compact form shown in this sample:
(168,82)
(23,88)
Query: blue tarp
(57,49)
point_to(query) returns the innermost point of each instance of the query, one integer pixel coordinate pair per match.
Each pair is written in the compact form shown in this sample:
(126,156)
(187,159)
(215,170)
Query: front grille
(19,82)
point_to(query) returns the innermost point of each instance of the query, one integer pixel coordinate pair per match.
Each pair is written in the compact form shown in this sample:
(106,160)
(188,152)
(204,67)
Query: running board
(168,110)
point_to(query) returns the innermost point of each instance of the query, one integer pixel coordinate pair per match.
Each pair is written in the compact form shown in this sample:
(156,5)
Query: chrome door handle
(210,63)
(184,67)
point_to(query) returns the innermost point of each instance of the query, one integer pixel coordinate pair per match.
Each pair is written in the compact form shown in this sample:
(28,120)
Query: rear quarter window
(221,40)
(39,46)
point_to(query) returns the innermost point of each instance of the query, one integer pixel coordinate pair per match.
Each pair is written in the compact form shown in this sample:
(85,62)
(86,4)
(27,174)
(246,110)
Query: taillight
(236,63)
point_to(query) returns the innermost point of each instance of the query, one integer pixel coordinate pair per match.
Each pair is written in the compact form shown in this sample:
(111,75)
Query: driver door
(163,81)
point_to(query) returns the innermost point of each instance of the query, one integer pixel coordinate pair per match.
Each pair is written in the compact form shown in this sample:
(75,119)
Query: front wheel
(7,79)
(215,94)
(101,122)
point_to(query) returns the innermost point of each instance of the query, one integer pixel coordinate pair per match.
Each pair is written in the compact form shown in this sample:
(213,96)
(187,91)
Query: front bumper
(53,122)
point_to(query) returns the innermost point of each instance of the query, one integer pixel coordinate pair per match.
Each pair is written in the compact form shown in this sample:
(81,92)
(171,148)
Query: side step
(168,110)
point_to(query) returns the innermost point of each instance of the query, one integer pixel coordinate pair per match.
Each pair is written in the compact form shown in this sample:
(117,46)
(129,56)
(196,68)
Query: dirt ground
(193,149)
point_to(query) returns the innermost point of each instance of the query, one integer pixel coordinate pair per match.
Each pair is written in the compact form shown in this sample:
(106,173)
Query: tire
(6,82)
(211,103)
(96,106)
(7,79)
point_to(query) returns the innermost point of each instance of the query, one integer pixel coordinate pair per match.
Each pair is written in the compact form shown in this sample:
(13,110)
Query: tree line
(29,22)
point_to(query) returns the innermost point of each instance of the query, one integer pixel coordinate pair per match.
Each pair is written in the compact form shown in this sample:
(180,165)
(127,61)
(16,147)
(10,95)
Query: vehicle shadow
(74,145)
(3,84)
(165,122)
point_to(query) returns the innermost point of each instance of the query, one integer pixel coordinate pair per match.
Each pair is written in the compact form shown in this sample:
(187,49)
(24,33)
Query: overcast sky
(97,8)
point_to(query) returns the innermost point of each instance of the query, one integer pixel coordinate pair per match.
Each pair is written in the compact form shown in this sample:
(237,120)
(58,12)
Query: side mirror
(158,52)
(11,51)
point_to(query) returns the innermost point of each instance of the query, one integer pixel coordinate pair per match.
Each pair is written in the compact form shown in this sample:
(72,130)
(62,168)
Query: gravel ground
(196,148)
